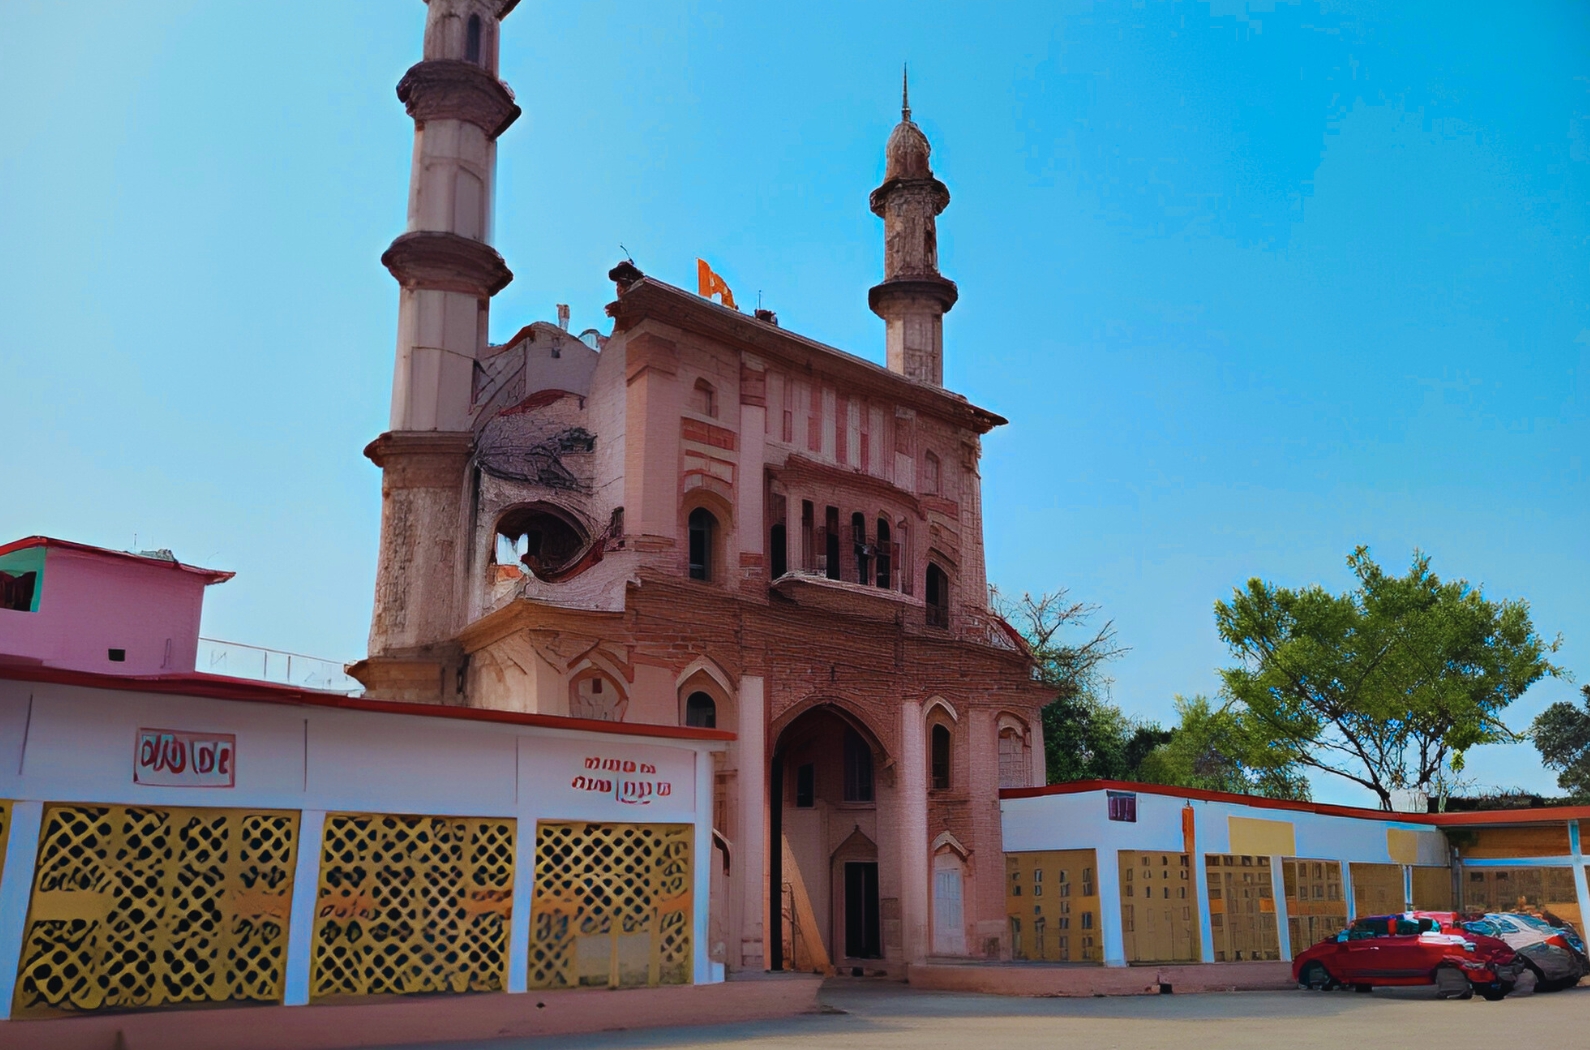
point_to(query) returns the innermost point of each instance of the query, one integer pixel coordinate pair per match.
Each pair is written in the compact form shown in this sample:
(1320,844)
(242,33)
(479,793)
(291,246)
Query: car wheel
(1451,984)
(1365,988)
(1494,992)
(1315,978)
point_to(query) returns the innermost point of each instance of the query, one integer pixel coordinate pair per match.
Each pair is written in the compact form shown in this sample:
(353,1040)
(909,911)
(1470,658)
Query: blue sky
(1253,283)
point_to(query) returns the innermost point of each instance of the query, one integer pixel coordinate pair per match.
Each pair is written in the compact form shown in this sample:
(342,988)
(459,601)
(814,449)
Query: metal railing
(273,665)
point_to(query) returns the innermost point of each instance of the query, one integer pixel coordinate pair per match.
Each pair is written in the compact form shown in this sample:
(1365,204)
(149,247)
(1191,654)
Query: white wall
(63,743)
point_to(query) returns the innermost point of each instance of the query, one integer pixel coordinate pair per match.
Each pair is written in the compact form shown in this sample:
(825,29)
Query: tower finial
(905,92)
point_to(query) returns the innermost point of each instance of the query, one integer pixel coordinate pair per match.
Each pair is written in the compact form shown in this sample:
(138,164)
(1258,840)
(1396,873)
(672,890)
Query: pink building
(70,605)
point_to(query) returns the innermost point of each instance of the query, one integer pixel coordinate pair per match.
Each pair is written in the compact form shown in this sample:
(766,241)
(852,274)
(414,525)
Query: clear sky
(1253,284)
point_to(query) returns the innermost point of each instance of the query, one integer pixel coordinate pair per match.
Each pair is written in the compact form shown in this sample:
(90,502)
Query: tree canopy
(1387,685)
(1222,749)
(1562,736)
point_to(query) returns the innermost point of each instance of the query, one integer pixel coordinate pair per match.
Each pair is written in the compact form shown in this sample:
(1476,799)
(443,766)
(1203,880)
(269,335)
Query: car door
(1360,961)
(1403,956)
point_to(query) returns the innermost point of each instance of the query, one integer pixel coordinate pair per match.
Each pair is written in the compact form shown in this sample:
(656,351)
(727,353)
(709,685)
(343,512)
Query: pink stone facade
(702,518)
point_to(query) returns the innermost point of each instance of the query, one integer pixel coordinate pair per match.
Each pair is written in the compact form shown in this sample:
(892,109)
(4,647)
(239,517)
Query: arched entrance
(826,873)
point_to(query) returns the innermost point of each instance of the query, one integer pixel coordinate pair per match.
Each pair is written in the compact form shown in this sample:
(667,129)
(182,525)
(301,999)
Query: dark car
(1410,949)
(1554,953)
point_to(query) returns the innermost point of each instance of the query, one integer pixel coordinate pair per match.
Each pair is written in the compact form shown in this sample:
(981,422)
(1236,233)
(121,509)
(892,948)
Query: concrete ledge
(1045,979)
(422,1020)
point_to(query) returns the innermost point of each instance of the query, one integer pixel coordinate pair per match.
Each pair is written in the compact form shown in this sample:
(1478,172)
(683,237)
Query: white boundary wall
(1080,820)
(71,743)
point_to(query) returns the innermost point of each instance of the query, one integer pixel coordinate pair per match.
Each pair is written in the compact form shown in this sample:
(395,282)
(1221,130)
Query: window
(778,562)
(831,542)
(597,698)
(16,591)
(777,536)
(1013,771)
(538,539)
(1123,806)
(701,711)
(939,747)
(703,399)
(885,554)
(858,536)
(938,597)
(805,786)
(703,527)
(930,474)
(858,768)
(808,534)
(472,40)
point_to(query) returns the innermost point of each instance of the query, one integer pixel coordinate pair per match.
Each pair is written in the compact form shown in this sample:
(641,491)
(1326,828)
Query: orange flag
(710,284)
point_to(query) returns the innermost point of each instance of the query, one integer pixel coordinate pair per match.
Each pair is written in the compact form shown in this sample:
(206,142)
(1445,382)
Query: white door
(949,924)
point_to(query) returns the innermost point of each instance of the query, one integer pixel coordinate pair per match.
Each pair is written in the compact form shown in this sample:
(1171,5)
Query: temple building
(706,520)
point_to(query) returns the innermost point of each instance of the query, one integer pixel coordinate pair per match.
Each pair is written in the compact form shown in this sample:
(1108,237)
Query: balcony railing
(272,665)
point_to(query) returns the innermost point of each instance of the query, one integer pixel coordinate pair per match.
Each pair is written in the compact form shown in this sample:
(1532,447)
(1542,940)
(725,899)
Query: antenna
(905,92)
(626,254)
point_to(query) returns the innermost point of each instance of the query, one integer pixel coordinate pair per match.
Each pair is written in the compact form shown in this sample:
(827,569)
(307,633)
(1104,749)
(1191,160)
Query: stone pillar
(1113,938)
(306,894)
(913,838)
(750,858)
(447,273)
(1580,886)
(16,891)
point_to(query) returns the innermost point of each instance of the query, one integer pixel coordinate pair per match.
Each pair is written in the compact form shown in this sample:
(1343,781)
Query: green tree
(1562,736)
(1388,685)
(1085,737)
(1222,749)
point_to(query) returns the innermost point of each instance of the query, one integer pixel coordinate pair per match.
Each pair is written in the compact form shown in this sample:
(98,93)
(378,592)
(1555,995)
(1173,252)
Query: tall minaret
(913,298)
(448,273)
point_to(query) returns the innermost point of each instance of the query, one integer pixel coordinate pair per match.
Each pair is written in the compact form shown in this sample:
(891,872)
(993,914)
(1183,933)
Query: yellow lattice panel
(612,905)
(412,904)
(1052,905)
(139,907)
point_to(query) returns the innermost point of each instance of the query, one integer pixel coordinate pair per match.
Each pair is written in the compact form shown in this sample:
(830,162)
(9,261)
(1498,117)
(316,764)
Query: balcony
(237,660)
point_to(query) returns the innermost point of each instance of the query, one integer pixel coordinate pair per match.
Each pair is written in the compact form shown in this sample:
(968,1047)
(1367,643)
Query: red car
(1411,948)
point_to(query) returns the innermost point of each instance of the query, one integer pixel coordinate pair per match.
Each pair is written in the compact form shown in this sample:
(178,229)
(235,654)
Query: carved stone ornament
(451,89)
(446,262)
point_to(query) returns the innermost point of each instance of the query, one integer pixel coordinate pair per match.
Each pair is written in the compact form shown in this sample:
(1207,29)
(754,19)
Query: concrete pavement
(890,1016)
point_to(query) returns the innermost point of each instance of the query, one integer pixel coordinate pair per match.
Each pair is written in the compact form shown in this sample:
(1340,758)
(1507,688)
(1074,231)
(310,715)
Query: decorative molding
(452,89)
(446,262)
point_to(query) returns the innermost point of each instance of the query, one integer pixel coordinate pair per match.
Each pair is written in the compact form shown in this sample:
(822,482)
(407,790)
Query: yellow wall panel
(1316,907)
(1535,840)
(138,907)
(1432,889)
(1052,905)
(1378,889)
(1242,907)
(1159,907)
(1261,838)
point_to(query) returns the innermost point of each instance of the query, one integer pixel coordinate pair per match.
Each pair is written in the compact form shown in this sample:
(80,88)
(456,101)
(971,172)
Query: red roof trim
(220,687)
(1537,815)
(210,575)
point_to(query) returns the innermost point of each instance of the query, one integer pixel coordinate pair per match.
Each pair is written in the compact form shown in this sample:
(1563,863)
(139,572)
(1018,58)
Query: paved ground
(886,1016)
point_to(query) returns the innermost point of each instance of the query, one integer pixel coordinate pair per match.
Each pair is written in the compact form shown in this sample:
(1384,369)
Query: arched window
(939,748)
(472,40)
(1014,769)
(703,399)
(938,597)
(703,537)
(930,474)
(886,556)
(701,711)
(778,563)
(598,697)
